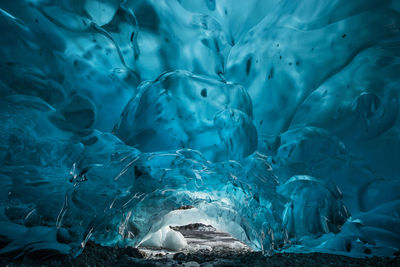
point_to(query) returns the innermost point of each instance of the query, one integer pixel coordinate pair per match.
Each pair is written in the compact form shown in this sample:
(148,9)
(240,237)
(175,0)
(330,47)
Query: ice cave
(276,121)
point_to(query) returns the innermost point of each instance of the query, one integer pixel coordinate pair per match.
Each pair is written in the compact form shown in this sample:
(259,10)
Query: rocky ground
(206,247)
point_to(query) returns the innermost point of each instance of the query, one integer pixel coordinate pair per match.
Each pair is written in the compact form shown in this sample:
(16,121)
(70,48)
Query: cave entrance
(188,230)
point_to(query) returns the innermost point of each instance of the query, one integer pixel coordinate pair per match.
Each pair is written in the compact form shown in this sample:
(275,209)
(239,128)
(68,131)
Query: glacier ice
(165,238)
(275,121)
(210,117)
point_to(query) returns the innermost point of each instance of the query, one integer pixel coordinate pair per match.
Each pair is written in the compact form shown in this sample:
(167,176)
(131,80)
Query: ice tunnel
(276,121)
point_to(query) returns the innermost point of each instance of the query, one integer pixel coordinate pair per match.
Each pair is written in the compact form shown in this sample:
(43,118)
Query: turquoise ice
(277,120)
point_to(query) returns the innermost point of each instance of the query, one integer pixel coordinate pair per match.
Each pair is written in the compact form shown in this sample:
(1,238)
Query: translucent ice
(165,238)
(275,121)
(180,110)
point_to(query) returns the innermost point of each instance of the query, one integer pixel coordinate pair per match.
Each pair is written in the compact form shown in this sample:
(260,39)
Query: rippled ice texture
(277,120)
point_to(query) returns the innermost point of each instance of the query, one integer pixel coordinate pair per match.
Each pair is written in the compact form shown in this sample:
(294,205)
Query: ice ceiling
(277,120)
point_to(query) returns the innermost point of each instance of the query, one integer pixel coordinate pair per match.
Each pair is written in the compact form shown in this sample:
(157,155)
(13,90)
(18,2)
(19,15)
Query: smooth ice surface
(165,238)
(211,117)
(275,121)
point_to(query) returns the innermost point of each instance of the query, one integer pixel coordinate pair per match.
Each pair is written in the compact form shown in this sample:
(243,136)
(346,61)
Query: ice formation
(275,120)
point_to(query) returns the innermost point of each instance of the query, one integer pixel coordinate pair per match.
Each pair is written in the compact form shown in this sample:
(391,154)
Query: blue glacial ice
(277,121)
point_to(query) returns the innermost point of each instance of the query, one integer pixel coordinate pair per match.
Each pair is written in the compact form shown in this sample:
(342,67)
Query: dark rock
(185,207)
(96,255)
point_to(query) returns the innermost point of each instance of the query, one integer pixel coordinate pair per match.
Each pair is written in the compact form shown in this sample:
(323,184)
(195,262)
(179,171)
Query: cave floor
(206,247)
(96,255)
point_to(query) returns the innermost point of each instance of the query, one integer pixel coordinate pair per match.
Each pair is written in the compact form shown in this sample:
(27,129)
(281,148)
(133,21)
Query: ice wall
(276,120)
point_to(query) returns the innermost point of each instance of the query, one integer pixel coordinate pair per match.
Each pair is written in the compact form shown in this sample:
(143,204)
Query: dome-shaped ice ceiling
(276,120)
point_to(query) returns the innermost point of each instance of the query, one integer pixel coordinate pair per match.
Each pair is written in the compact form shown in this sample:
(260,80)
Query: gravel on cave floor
(96,255)
(206,247)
